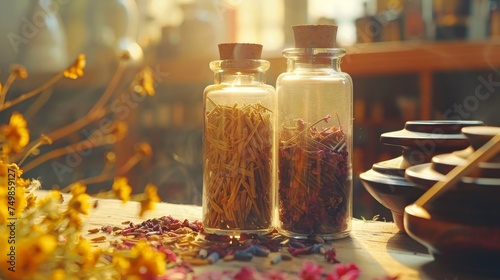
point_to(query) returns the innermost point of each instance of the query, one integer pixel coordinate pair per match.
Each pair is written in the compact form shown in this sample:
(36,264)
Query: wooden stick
(487,151)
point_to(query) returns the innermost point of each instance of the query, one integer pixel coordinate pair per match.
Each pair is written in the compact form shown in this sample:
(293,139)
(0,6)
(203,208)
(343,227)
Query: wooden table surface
(376,247)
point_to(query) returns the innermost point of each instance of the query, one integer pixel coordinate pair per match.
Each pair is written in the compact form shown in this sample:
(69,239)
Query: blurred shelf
(420,58)
(401,57)
(373,59)
(361,60)
(369,59)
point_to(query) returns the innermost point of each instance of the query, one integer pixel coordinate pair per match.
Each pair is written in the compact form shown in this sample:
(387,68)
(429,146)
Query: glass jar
(315,118)
(239,145)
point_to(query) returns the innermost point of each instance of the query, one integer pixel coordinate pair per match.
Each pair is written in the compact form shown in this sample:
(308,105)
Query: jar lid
(315,35)
(240,51)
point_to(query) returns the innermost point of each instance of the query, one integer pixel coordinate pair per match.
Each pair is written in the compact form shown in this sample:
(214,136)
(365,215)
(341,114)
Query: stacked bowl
(461,227)
(420,142)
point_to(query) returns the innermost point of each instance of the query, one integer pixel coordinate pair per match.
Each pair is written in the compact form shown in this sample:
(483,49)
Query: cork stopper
(315,35)
(240,51)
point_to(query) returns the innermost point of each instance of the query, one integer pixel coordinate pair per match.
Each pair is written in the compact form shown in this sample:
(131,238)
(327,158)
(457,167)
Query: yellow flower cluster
(79,201)
(149,199)
(38,231)
(122,189)
(45,241)
(142,262)
(76,70)
(13,188)
(48,242)
(14,135)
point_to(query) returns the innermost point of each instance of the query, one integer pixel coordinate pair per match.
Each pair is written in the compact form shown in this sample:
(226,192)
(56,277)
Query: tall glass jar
(239,144)
(315,118)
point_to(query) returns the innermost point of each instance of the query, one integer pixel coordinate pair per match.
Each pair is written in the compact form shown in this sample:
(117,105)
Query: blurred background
(409,60)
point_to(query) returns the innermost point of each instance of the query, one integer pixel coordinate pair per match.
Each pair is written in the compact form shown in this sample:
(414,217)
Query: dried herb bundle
(314,187)
(237,176)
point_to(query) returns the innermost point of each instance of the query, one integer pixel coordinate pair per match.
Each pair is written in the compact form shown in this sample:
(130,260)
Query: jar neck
(313,58)
(240,71)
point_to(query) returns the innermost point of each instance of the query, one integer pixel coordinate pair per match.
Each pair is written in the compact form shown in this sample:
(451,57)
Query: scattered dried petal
(98,239)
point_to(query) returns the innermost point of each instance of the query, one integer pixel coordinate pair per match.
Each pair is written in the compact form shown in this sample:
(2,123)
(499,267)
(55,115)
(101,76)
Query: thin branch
(131,162)
(32,93)
(75,147)
(113,84)
(75,126)
(39,102)
(5,89)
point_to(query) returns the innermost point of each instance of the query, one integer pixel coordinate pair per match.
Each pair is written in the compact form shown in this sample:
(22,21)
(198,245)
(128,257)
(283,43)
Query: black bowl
(393,192)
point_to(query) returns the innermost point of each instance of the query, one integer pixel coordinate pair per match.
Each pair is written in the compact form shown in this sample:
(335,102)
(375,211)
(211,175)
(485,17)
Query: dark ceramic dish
(393,192)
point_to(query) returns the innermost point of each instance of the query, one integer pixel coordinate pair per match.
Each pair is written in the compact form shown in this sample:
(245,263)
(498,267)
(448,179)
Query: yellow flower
(32,252)
(80,203)
(76,70)
(144,262)
(13,186)
(119,131)
(122,189)
(151,197)
(5,169)
(52,196)
(3,174)
(144,149)
(21,182)
(121,263)
(89,256)
(20,202)
(30,201)
(58,274)
(74,220)
(19,71)
(77,188)
(144,82)
(15,135)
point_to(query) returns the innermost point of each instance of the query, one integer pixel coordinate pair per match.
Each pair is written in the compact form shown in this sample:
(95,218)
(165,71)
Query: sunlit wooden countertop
(376,247)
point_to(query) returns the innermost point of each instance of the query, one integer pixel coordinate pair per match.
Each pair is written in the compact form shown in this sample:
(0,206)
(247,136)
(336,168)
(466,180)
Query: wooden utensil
(487,151)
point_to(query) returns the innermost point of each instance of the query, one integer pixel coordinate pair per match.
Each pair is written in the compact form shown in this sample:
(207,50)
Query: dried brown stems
(238,157)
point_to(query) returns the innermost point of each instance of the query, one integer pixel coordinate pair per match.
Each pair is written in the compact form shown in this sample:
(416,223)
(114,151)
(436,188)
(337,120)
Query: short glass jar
(239,147)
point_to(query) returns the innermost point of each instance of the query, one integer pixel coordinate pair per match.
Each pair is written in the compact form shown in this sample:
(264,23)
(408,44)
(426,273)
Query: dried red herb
(314,187)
